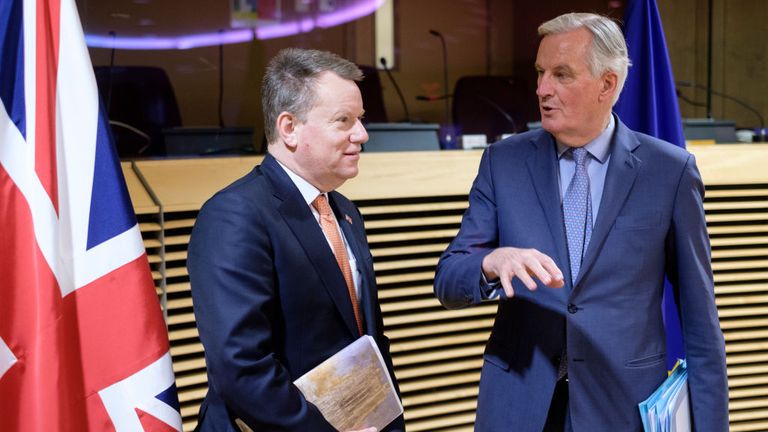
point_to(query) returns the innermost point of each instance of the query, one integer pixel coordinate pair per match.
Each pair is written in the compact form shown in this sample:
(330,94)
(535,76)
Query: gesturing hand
(507,262)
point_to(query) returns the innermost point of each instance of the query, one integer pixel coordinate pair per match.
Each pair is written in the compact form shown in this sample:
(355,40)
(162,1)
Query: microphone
(383,62)
(445,73)
(724,96)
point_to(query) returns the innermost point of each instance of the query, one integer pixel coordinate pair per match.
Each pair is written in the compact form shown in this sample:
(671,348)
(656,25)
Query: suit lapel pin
(348,219)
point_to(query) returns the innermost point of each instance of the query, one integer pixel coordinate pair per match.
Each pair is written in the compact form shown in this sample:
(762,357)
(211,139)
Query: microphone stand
(739,102)
(499,110)
(383,62)
(449,133)
(445,73)
(433,98)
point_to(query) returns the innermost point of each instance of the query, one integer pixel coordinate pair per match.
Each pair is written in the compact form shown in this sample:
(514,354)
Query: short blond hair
(290,79)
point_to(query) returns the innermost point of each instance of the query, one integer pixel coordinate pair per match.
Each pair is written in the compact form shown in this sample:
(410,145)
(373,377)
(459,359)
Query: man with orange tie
(282,276)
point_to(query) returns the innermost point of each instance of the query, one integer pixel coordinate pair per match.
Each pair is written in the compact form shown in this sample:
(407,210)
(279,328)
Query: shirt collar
(308,192)
(599,147)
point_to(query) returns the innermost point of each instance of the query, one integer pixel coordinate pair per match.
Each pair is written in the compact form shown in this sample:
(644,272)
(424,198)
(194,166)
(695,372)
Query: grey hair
(609,49)
(290,79)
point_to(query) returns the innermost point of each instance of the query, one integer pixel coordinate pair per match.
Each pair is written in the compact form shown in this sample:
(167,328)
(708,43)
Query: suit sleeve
(231,271)
(690,271)
(459,271)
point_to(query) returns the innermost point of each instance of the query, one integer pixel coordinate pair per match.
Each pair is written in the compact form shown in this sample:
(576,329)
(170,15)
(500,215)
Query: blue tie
(577,212)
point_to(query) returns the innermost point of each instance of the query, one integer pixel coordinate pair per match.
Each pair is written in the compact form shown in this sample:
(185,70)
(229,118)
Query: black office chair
(487,105)
(140,102)
(373,98)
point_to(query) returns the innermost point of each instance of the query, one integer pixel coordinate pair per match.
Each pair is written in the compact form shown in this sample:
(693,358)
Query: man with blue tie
(282,277)
(574,226)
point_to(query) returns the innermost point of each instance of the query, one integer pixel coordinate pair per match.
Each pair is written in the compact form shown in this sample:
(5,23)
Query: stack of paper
(668,408)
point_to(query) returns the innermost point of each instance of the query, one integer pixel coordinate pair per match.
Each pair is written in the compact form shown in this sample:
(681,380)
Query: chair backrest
(373,99)
(140,102)
(488,105)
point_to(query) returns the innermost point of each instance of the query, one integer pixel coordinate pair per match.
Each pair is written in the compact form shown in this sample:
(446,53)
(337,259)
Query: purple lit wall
(292,25)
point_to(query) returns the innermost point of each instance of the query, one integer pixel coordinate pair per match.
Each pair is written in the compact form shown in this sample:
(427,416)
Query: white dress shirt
(309,193)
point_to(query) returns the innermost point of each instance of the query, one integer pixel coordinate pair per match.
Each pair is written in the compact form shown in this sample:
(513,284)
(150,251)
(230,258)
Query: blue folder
(668,409)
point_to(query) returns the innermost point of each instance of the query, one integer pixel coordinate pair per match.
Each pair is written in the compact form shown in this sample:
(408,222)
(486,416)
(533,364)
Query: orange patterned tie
(328,224)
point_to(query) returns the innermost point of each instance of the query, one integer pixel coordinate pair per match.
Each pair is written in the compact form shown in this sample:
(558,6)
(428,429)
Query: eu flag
(648,104)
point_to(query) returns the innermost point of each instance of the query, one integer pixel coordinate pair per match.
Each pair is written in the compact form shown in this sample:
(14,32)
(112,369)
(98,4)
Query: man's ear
(609,84)
(287,128)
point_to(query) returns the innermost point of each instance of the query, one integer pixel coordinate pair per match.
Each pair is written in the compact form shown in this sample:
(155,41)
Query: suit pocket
(647,361)
(497,354)
(638,221)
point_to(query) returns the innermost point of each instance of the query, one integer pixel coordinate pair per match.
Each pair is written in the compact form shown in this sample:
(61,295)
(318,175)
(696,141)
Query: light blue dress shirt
(599,151)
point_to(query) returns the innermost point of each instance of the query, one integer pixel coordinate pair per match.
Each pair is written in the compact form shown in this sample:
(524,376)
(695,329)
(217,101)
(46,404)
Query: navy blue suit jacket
(650,223)
(271,302)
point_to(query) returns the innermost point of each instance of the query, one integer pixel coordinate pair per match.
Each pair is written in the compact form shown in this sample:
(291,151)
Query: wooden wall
(496,36)
(739,54)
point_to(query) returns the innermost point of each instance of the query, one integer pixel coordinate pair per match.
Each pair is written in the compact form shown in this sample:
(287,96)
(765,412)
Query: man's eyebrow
(559,67)
(562,68)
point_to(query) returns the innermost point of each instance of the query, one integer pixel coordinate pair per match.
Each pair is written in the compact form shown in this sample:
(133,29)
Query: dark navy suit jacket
(271,302)
(650,223)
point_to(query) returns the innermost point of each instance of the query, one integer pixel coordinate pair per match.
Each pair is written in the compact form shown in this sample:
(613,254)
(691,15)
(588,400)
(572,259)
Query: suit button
(572,308)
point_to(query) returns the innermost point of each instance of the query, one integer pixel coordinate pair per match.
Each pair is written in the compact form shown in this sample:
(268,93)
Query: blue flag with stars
(648,104)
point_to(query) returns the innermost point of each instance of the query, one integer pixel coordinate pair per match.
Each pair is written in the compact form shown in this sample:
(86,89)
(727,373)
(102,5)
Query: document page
(353,389)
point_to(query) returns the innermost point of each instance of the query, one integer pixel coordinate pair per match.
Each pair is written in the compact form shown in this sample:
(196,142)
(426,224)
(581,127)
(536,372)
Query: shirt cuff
(489,290)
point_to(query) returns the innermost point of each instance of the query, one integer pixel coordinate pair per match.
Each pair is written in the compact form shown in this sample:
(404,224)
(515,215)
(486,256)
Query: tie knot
(580,155)
(321,205)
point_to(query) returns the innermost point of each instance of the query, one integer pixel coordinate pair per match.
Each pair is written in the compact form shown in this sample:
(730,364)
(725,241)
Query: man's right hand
(507,262)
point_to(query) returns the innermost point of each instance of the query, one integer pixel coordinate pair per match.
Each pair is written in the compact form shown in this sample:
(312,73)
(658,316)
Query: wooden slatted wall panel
(186,349)
(436,352)
(182,186)
(736,206)
(737,219)
(412,204)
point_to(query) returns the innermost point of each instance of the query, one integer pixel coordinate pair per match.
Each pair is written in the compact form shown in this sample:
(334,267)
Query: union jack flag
(83,345)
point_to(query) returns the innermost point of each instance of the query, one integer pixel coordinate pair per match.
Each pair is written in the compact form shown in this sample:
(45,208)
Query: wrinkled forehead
(568,48)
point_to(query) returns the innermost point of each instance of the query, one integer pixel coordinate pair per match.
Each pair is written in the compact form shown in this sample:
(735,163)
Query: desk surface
(184,184)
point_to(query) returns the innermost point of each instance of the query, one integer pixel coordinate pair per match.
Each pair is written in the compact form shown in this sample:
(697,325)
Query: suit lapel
(622,172)
(542,167)
(305,228)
